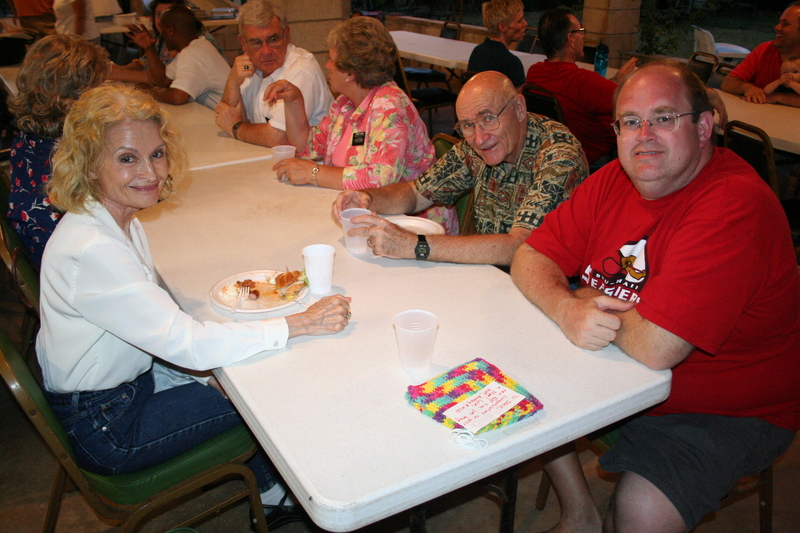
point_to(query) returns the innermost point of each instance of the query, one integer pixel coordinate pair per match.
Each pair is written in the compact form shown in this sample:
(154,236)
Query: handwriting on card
(484,406)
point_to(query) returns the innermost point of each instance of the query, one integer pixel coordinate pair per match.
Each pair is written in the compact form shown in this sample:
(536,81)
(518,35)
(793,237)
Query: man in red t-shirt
(585,96)
(684,260)
(763,65)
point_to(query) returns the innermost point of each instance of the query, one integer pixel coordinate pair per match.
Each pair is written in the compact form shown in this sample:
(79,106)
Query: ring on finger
(347,315)
(369,242)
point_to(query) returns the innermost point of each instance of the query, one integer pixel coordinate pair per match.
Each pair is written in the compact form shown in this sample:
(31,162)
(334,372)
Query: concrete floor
(27,470)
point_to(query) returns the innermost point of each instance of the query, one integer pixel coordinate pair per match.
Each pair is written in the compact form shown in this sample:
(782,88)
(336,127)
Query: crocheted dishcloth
(437,395)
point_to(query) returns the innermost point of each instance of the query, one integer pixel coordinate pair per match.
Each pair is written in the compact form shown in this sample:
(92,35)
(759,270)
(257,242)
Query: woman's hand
(295,171)
(281,90)
(329,315)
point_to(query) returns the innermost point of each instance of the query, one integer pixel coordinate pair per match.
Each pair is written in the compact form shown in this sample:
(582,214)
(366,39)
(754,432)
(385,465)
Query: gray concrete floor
(27,470)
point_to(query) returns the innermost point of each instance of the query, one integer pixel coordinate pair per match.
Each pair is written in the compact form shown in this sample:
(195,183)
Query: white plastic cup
(416,336)
(284,151)
(358,244)
(318,260)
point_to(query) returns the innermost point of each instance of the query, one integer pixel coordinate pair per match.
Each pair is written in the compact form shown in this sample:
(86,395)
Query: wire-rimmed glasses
(662,123)
(486,121)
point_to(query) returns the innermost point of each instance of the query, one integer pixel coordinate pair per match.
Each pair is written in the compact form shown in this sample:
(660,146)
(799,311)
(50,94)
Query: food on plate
(288,284)
(267,289)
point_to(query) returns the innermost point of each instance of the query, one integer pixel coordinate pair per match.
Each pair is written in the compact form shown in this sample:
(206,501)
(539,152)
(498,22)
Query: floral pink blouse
(389,144)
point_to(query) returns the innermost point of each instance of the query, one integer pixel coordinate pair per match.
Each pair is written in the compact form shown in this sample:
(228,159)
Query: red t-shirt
(586,99)
(33,8)
(712,263)
(761,67)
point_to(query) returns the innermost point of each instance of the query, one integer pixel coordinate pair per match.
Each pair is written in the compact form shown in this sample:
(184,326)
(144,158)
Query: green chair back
(465,206)
(131,498)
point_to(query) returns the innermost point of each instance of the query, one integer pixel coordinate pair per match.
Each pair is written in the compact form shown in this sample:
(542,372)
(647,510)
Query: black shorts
(696,459)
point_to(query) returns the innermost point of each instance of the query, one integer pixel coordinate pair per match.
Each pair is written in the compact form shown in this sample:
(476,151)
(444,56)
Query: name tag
(358,139)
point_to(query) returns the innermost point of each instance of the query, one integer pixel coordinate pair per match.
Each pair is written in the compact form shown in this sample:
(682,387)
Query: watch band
(314,172)
(423,249)
(235,129)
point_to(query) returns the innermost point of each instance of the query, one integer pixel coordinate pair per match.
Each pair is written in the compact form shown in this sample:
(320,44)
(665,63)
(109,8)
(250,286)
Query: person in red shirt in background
(763,65)
(585,96)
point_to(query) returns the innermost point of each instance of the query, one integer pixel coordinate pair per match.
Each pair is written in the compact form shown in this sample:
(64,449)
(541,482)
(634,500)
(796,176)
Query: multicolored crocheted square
(437,395)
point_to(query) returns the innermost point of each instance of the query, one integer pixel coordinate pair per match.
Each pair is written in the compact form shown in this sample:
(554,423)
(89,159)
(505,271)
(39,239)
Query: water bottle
(601,59)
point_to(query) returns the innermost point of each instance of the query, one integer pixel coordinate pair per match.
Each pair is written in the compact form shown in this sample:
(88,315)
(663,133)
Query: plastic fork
(244,292)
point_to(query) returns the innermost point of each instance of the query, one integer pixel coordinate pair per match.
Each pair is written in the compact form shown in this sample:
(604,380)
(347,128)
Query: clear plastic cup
(416,336)
(284,151)
(358,244)
(318,260)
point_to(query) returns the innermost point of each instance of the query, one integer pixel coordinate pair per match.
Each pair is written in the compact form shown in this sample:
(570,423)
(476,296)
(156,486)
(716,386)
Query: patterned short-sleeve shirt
(550,165)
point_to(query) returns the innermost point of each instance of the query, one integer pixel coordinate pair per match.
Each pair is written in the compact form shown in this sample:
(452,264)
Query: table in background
(109,27)
(207,145)
(450,53)
(330,411)
(780,122)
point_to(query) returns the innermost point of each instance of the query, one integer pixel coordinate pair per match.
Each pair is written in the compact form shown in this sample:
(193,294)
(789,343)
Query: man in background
(520,166)
(198,72)
(585,96)
(762,66)
(269,56)
(37,16)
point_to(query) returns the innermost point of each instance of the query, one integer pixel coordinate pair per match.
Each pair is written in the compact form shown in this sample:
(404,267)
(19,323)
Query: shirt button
(275,344)
(104,429)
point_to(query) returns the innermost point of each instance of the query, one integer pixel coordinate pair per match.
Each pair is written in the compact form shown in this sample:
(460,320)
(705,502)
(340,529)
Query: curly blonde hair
(56,70)
(365,49)
(82,149)
(496,12)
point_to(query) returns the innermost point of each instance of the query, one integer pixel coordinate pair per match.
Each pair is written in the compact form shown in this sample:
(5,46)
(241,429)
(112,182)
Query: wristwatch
(235,129)
(423,249)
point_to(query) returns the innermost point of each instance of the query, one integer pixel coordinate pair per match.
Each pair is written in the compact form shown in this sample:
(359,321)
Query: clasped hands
(590,319)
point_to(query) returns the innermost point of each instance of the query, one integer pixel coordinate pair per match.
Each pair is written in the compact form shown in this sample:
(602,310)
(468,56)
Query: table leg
(417,520)
(508,497)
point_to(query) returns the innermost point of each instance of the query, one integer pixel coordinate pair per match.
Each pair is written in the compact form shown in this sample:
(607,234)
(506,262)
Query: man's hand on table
(228,115)
(348,200)
(754,94)
(385,238)
(587,318)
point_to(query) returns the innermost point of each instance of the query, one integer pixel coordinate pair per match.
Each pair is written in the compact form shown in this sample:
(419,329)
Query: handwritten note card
(484,406)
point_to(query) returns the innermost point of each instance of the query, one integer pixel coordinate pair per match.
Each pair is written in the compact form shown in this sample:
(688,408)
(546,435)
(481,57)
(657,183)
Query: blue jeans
(130,428)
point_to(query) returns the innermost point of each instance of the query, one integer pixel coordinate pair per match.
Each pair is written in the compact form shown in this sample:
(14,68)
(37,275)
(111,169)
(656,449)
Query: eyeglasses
(487,122)
(663,123)
(582,31)
(273,42)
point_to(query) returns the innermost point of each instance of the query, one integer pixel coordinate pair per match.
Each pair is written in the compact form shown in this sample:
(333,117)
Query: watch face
(422,249)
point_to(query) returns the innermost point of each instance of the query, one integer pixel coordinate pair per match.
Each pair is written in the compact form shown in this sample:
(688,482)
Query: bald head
(491,94)
(483,84)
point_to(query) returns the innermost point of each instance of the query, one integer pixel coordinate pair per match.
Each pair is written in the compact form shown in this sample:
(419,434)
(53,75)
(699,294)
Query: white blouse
(104,316)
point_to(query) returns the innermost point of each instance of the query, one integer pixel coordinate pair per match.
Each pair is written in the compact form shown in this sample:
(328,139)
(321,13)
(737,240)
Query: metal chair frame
(29,395)
(542,102)
(704,65)
(425,99)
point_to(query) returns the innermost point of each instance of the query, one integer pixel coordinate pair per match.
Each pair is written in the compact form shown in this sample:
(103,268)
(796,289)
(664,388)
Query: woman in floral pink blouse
(373,134)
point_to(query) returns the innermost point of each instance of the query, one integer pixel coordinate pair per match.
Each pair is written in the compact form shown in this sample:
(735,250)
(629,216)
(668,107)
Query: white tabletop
(330,411)
(780,122)
(208,145)
(450,53)
(9,76)
(109,27)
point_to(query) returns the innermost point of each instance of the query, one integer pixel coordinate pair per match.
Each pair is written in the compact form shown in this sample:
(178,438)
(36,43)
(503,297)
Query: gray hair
(260,13)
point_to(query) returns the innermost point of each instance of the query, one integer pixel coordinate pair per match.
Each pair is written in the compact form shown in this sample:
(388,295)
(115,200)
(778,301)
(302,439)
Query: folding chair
(542,102)
(703,64)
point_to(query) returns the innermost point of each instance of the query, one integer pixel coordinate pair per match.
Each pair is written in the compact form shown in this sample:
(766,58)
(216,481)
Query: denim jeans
(130,428)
